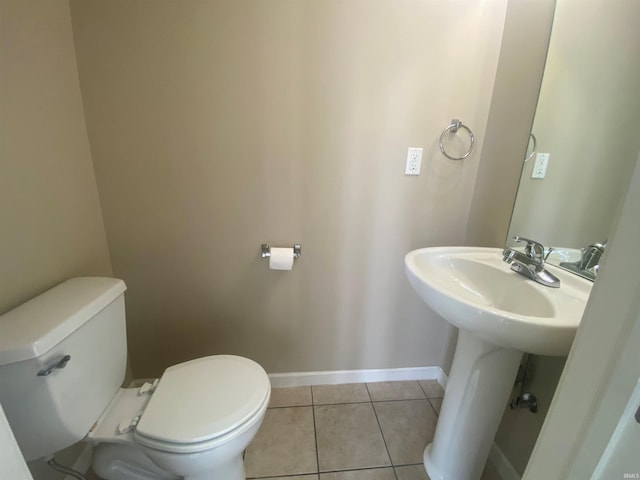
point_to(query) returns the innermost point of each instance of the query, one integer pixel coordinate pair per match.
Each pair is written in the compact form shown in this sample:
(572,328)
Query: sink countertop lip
(565,317)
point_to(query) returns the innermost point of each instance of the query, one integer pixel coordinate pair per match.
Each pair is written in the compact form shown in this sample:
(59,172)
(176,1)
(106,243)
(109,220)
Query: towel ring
(453,128)
(533,150)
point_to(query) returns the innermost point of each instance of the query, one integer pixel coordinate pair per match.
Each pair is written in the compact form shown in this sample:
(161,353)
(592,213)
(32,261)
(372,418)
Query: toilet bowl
(194,423)
(63,360)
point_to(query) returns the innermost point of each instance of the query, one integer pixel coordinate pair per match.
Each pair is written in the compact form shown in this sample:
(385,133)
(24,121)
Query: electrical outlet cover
(414,161)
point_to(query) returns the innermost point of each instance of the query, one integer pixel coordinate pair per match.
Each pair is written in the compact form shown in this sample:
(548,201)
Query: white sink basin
(500,314)
(475,290)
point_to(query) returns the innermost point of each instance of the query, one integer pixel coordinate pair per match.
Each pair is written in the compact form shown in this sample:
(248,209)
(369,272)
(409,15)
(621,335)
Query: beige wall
(588,119)
(51,224)
(522,58)
(216,126)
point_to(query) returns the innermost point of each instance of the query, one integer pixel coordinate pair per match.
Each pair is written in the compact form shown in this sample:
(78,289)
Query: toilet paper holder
(265,250)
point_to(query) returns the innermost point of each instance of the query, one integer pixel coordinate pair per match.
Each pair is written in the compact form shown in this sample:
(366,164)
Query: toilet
(62,362)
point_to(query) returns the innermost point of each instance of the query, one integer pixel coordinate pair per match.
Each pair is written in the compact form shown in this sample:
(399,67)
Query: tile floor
(364,431)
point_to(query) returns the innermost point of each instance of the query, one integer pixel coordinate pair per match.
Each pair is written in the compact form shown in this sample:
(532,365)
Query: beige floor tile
(345,393)
(432,388)
(408,427)
(381,391)
(436,403)
(290,397)
(411,472)
(349,437)
(369,474)
(285,444)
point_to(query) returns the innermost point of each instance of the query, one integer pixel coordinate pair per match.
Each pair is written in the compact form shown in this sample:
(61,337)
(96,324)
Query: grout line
(315,435)
(286,476)
(423,390)
(399,400)
(366,386)
(356,469)
(426,394)
(382,433)
(290,406)
(433,408)
(354,403)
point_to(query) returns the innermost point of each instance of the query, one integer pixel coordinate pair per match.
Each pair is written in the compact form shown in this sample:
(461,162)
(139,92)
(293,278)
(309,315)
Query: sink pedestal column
(479,386)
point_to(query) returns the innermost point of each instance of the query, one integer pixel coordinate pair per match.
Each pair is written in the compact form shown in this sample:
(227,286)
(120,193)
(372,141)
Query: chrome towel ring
(453,128)
(533,150)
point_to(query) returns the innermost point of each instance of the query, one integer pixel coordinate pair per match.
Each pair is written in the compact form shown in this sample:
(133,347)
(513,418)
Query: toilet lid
(204,398)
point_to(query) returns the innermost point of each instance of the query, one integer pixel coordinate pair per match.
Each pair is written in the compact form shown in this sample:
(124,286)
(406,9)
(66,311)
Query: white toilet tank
(82,318)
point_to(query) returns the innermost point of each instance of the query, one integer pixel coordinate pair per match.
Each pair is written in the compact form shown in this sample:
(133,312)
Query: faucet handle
(549,252)
(533,249)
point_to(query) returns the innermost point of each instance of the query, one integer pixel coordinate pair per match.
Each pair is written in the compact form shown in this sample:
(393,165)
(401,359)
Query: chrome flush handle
(58,362)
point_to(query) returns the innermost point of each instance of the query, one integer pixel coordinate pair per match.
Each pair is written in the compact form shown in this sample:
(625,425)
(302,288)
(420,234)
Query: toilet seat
(196,406)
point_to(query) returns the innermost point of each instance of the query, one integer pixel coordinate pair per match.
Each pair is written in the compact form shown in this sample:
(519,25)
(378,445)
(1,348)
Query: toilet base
(233,470)
(117,461)
(135,457)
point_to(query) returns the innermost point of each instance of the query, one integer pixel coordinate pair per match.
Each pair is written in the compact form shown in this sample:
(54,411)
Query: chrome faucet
(589,264)
(530,263)
(591,256)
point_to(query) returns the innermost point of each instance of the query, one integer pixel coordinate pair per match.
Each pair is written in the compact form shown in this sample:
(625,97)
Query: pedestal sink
(500,315)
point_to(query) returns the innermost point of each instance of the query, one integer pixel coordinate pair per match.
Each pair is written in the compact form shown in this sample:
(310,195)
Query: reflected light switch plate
(540,167)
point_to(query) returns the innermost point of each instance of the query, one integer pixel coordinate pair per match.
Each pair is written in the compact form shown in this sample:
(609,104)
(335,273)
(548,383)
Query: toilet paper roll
(281,258)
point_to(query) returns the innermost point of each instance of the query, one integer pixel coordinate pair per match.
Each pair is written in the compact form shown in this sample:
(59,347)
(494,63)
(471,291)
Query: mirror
(588,124)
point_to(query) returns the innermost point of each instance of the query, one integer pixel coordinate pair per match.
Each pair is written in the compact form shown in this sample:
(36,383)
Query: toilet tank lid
(36,326)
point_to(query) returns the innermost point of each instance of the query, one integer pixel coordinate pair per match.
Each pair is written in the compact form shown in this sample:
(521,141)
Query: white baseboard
(502,464)
(299,379)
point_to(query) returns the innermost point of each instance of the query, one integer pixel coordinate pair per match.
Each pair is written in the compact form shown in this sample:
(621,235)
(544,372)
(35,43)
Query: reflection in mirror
(587,126)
